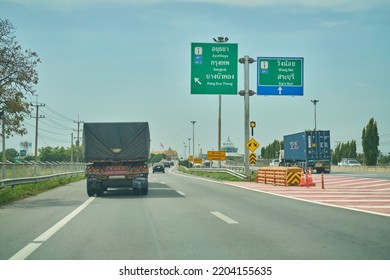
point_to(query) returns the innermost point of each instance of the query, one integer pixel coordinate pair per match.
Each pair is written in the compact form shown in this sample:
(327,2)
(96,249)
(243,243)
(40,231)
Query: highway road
(186,218)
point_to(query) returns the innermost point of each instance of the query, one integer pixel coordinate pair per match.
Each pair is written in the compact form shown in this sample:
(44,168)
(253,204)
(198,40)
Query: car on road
(158,167)
(349,162)
(274,162)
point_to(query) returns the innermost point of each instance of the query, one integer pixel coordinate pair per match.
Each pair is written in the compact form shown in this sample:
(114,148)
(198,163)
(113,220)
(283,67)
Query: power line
(57,125)
(58,114)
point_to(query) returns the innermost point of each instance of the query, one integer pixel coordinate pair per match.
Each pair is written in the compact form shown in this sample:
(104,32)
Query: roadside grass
(18,192)
(221,176)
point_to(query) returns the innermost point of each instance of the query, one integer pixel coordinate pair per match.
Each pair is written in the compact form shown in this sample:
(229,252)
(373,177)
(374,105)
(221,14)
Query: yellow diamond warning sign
(252,145)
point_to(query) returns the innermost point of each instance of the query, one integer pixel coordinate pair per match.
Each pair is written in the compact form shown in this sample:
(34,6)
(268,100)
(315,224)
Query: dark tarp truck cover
(124,141)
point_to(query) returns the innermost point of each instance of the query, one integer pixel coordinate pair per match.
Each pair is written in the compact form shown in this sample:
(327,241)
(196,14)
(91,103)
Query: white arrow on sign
(280,90)
(197,81)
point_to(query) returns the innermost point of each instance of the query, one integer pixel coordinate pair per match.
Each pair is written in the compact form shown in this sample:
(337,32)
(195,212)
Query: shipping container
(308,149)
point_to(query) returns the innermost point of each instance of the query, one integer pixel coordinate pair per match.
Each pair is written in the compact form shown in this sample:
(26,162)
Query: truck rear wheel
(99,191)
(320,170)
(144,191)
(90,187)
(90,191)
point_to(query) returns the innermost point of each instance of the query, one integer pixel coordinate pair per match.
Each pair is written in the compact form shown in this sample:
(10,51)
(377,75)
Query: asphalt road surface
(186,218)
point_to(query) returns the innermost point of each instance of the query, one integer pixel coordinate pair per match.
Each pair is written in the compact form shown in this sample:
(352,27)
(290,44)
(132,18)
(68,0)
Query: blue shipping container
(307,146)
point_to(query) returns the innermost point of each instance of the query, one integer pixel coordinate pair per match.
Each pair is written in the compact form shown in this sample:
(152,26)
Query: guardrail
(28,180)
(225,170)
(37,168)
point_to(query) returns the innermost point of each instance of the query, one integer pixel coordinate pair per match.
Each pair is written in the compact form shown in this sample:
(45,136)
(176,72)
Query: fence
(35,169)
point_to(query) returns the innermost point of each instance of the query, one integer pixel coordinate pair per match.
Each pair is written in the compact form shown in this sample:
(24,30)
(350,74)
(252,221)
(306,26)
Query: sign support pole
(246,60)
(220,39)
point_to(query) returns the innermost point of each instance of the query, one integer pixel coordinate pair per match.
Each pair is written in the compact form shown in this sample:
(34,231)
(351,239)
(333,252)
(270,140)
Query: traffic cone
(303,178)
(310,179)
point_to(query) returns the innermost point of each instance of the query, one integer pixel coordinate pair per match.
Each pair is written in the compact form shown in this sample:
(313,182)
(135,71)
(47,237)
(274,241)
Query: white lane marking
(26,251)
(373,206)
(354,200)
(369,186)
(181,193)
(224,218)
(31,247)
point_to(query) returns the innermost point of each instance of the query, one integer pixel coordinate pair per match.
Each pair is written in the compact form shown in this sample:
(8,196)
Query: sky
(130,60)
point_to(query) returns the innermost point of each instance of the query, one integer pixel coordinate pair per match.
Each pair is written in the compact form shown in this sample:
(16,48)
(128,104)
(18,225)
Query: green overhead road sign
(280,76)
(214,68)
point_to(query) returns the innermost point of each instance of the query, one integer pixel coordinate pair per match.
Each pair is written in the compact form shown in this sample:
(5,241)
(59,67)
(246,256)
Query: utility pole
(37,116)
(4,157)
(3,167)
(71,147)
(78,137)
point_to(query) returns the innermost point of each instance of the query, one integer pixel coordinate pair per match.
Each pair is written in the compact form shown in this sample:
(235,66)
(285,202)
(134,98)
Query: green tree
(344,150)
(11,154)
(352,149)
(57,154)
(155,158)
(272,150)
(18,75)
(370,143)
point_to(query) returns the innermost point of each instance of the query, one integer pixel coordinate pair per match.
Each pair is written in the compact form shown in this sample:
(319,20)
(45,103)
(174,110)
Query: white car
(349,162)
(274,162)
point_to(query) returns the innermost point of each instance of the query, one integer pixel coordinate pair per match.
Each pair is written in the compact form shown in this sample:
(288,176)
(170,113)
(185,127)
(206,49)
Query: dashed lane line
(224,218)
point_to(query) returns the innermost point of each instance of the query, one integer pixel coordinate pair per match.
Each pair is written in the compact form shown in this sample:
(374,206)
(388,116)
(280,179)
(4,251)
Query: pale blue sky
(126,60)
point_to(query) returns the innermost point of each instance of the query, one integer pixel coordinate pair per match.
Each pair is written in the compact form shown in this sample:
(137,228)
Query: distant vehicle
(308,149)
(349,162)
(167,164)
(158,167)
(117,153)
(274,162)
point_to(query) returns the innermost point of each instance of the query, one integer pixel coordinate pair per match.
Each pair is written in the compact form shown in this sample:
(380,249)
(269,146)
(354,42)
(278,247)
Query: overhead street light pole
(193,137)
(189,146)
(220,39)
(315,101)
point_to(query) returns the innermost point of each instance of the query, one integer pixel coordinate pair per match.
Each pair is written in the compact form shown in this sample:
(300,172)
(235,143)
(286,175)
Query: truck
(116,154)
(308,149)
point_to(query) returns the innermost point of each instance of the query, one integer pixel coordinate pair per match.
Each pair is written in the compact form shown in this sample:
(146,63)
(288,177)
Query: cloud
(342,5)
